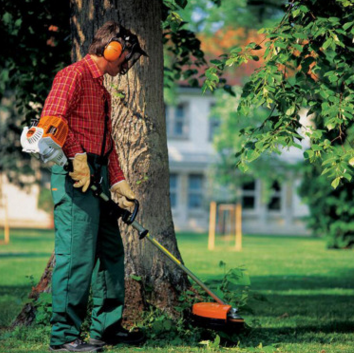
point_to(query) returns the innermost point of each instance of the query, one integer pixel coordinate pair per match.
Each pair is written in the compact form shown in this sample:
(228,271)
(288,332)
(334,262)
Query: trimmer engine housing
(45,140)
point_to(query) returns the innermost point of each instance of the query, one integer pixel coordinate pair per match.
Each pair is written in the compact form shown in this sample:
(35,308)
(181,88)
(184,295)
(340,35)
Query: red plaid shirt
(78,97)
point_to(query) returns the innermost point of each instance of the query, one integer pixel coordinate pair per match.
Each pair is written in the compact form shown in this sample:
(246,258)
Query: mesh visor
(134,52)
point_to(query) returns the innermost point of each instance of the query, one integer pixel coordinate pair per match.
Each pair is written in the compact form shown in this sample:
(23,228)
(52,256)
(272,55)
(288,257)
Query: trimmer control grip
(128,217)
(68,167)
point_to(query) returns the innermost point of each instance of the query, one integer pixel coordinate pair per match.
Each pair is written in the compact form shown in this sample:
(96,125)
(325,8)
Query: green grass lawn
(309,291)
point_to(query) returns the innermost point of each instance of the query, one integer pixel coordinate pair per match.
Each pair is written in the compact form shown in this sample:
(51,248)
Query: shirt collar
(95,71)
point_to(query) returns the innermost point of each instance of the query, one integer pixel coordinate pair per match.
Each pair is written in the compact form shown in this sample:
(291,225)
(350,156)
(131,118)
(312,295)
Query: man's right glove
(123,191)
(81,174)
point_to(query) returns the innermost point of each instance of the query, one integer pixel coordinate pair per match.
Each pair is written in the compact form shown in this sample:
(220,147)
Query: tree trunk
(28,313)
(140,134)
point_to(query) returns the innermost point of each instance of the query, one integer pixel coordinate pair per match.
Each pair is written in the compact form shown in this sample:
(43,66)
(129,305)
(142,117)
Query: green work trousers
(89,253)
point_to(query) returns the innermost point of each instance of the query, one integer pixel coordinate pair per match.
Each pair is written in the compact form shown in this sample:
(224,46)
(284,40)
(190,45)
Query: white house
(191,154)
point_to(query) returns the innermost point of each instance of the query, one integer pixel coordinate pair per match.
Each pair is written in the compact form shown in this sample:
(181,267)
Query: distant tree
(35,44)
(331,210)
(204,17)
(228,141)
(308,62)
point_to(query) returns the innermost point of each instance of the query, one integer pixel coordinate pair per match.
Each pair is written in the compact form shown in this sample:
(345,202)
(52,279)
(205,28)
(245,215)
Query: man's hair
(104,34)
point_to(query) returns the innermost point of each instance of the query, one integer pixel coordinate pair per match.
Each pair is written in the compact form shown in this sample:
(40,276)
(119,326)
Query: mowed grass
(309,291)
(22,262)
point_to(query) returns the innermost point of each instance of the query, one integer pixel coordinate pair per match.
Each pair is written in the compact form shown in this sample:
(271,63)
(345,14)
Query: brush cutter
(45,141)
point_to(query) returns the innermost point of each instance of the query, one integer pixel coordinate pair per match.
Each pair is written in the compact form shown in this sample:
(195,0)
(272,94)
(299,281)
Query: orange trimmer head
(217,316)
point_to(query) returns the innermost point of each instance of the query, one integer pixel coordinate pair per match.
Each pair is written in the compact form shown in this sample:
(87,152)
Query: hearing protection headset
(124,40)
(113,49)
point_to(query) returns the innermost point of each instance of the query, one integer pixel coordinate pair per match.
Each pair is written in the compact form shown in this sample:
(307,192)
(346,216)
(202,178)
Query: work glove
(123,191)
(81,174)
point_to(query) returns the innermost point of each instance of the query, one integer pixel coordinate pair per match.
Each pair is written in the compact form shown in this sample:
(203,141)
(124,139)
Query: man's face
(117,66)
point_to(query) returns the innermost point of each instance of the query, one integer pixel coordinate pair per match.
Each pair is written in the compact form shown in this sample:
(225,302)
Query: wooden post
(238,227)
(6,221)
(212,224)
(6,224)
(232,220)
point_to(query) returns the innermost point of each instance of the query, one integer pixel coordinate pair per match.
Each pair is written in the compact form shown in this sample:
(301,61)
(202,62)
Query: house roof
(220,43)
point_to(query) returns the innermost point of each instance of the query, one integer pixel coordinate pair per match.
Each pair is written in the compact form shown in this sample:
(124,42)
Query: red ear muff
(112,51)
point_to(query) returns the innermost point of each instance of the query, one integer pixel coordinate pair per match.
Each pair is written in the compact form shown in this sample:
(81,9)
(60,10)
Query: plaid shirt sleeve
(62,99)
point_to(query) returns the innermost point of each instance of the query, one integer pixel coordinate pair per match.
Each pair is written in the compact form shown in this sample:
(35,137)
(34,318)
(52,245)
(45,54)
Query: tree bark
(28,312)
(140,135)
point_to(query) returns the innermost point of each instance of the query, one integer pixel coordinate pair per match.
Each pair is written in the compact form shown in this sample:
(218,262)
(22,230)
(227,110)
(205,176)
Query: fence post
(238,227)
(212,225)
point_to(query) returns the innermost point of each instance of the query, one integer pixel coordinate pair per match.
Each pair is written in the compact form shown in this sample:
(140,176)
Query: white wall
(22,207)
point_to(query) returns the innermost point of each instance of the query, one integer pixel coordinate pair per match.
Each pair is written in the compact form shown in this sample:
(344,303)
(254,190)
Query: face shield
(131,48)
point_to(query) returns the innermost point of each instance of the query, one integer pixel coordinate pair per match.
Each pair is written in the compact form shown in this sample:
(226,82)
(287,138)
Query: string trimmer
(45,139)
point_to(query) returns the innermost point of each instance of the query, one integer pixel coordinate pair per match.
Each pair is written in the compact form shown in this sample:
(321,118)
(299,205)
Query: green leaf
(167,324)
(335,182)
(300,35)
(304,8)
(216,342)
(135,278)
(330,127)
(299,47)
(327,43)
(182,3)
(326,170)
(280,44)
(308,154)
(18,22)
(290,111)
(252,155)
(216,62)
(347,25)
(7,18)
(243,167)
(222,263)
(347,176)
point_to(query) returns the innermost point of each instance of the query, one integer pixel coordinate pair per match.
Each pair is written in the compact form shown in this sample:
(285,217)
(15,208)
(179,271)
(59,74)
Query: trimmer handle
(128,217)
(68,167)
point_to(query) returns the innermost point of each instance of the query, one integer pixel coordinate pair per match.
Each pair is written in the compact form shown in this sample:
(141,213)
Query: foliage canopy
(308,63)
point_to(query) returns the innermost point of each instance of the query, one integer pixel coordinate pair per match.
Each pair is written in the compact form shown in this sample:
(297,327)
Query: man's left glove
(81,174)
(123,191)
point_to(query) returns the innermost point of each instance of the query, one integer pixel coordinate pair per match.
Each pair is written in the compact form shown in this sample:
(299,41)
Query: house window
(275,200)
(177,121)
(214,124)
(249,195)
(195,191)
(173,189)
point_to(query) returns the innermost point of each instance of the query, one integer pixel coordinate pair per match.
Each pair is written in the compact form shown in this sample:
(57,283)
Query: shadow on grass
(197,236)
(306,307)
(321,334)
(34,239)
(344,279)
(30,254)
(16,291)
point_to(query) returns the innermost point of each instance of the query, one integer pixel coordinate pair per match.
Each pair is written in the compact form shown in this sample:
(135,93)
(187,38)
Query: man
(87,242)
